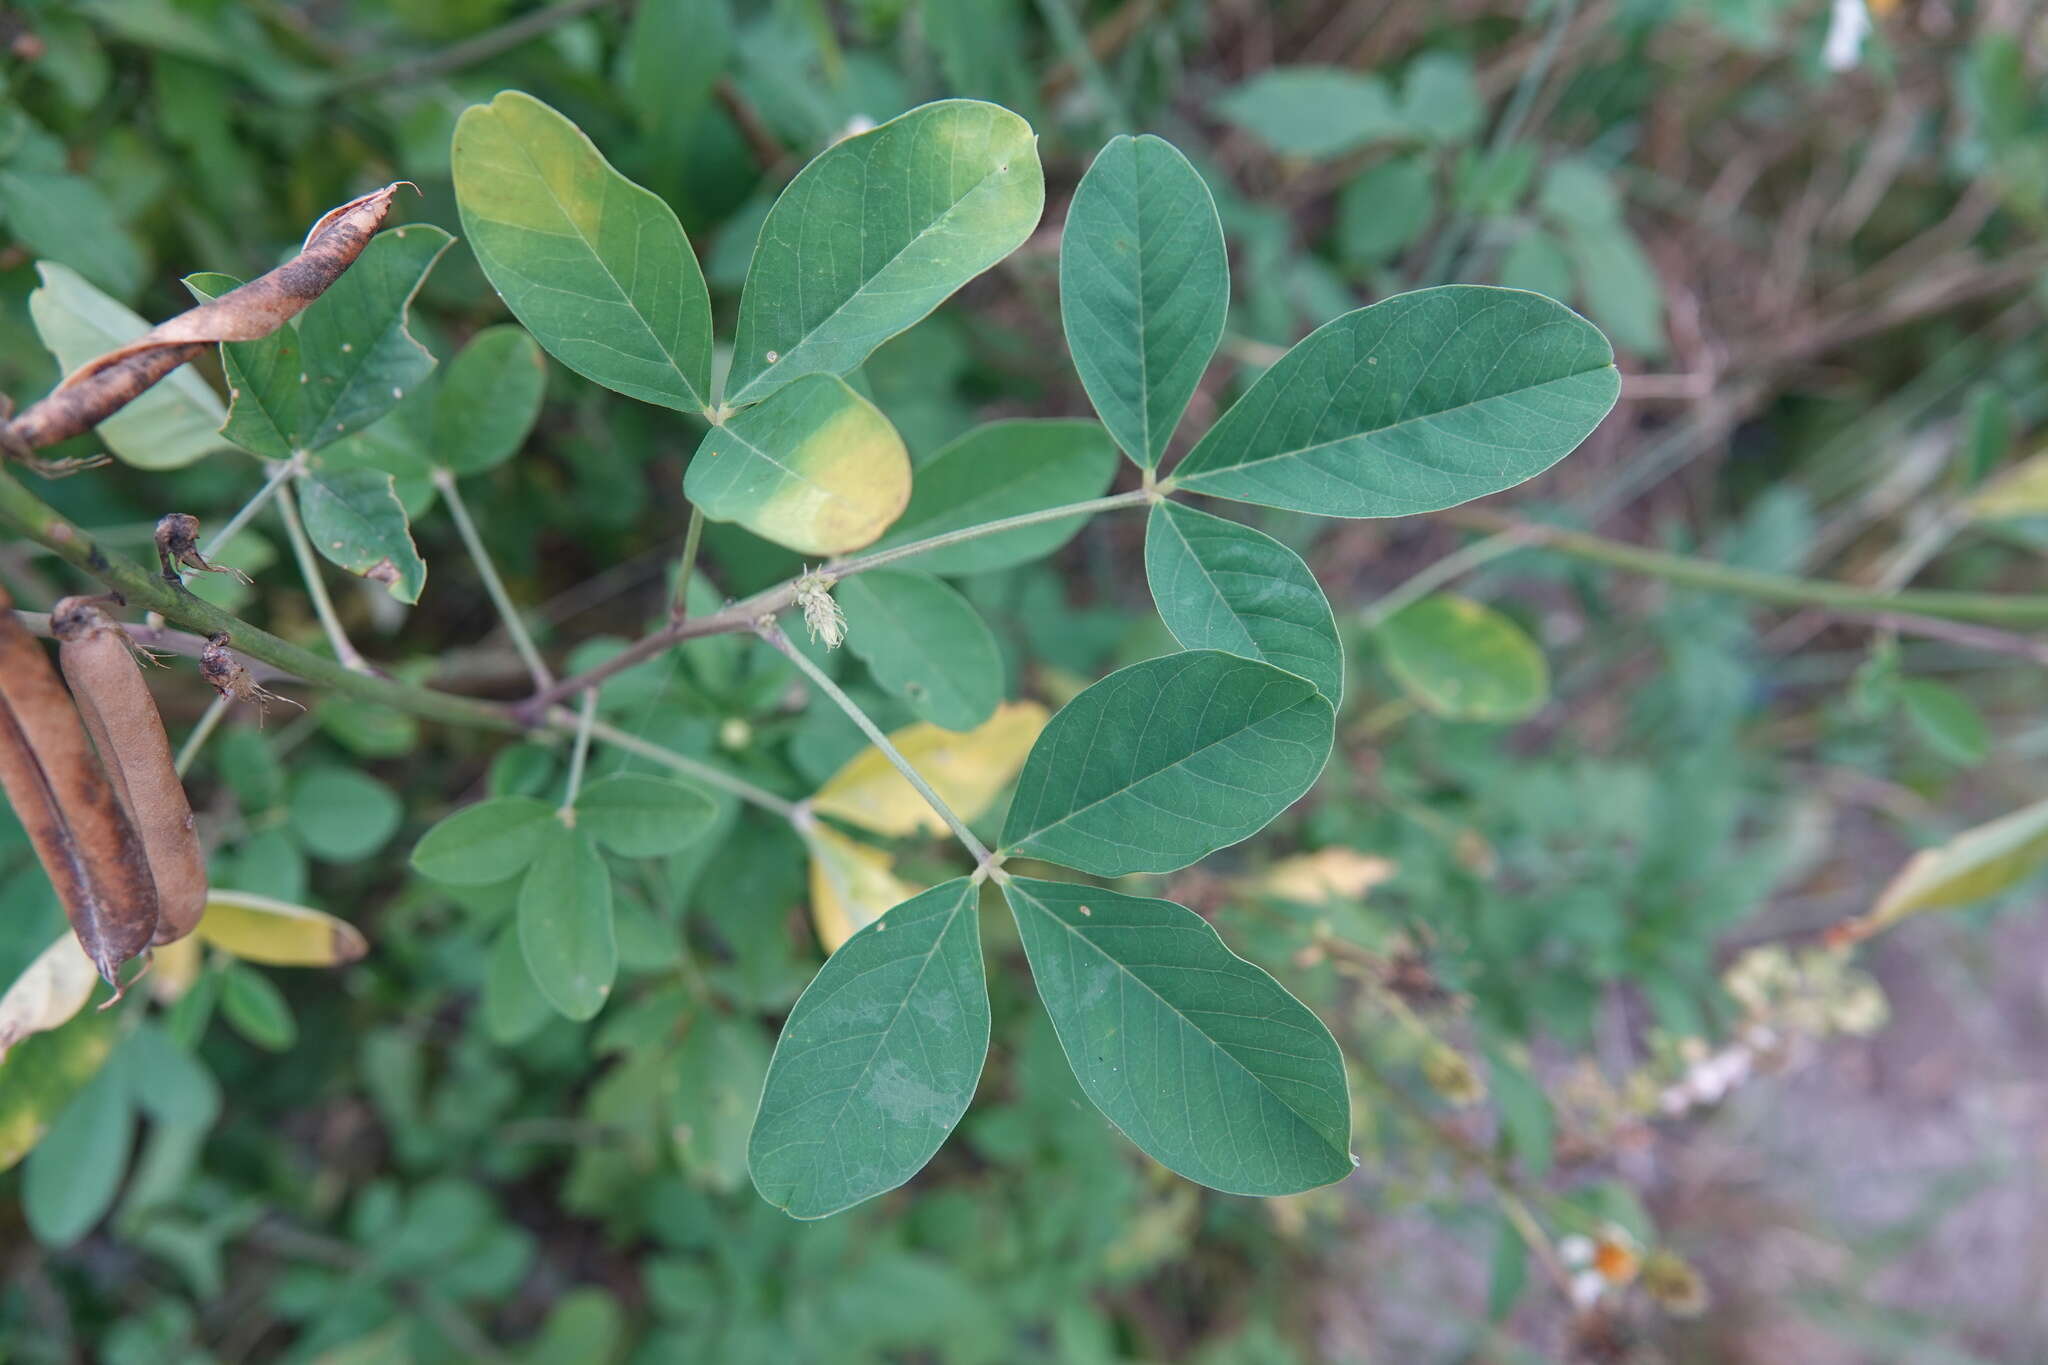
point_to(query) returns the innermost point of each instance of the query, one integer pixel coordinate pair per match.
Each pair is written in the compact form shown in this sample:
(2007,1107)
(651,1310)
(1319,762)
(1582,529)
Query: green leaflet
(637,815)
(1313,111)
(488,400)
(355,519)
(68,218)
(1198,1056)
(256,1009)
(1417,403)
(483,844)
(166,427)
(69,1181)
(565,922)
(923,642)
(878,231)
(1463,660)
(816,468)
(878,1060)
(43,1072)
(595,266)
(1222,585)
(1144,285)
(345,362)
(1004,469)
(1166,761)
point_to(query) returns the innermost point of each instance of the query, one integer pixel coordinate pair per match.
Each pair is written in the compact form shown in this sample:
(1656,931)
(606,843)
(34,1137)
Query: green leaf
(343,815)
(595,266)
(637,815)
(41,1075)
(1167,761)
(166,427)
(878,231)
(355,520)
(1620,287)
(68,218)
(488,401)
(1144,285)
(1004,469)
(257,1009)
(878,1060)
(923,642)
(1222,585)
(1384,210)
(1312,111)
(1420,402)
(583,1328)
(483,844)
(513,1007)
(1463,660)
(1440,99)
(70,1179)
(816,468)
(1946,719)
(565,922)
(1537,262)
(1975,865)
(346,362)
(718,1074)
(1198,1056)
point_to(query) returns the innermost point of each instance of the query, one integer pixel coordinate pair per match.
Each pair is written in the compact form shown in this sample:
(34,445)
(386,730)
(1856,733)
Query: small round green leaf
(565,922)
(816,468)
(878,1060)
(925,643)
(1417,403)
(1463,660)
(637,815)
(342,815)
(1201,1058)
(1144,285)
(1004,469)
(1222,585)
(1167,761)
(877,232)
(488,400)
(70,1179)
(595,266)
(355,520)
(484,844)
(257,1009)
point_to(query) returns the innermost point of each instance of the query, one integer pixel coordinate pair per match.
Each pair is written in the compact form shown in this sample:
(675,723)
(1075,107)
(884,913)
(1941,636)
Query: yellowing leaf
(852,885)
(259,929)
(1328,874)
(966,770)
(48,993)
(1975,864)
(174,969)
(2021,491)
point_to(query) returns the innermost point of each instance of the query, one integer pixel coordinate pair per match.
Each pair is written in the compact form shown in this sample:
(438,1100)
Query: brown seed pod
(68,806)
(98,660)
(177,542)
(231,677)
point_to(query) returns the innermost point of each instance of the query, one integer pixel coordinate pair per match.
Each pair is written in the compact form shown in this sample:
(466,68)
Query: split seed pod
(67,805)
(232,679)
(98,660)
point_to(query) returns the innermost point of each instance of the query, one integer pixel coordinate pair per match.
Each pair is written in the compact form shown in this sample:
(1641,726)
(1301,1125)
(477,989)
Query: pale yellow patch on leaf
(852,885)
(277,933)
(967,769)
(48,993)
(173,970)
(852,480)
(2021,491)
(1976,864)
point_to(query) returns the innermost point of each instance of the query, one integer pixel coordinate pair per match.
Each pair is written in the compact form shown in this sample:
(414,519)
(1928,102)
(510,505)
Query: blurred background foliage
(1603,1082)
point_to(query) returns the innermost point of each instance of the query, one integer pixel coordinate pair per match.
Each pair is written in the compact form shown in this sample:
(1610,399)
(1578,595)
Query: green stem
(2001,609)
(679,609)
(316,586)
(201,732)
(565,721)
(283,470)
(508,610)
(586,717)
(772,633)
(747,615)
(146,589)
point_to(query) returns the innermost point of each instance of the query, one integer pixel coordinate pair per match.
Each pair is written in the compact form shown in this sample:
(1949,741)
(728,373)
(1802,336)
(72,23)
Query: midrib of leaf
(1127,974)
(1370,432)
(1178,762)
(866,285)
(604,265)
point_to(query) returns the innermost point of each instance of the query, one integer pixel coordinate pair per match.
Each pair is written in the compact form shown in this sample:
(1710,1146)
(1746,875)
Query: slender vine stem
(585,718)
(2006,609)
(201,732)
(279,472)
(679,608)
(508,610)
(316,586)
(566,721)
(772,633)
(746,615)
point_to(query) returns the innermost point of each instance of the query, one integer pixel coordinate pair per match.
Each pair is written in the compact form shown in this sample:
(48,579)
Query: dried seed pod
(177,542)
(68,806)
(98,660)
(231,677)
